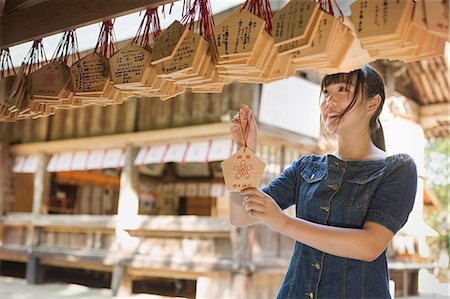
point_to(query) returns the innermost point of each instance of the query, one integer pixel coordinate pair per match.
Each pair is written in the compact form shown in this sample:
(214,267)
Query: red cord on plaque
(245,134)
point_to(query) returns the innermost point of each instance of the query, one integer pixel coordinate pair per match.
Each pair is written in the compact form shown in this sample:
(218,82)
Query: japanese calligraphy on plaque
(90,74)
(243,170)
(294,22)
(378,17)
(128,64)
(238,33)
(168,42)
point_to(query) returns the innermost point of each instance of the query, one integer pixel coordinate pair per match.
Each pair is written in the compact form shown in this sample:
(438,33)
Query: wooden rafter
(28,20)
(2,7)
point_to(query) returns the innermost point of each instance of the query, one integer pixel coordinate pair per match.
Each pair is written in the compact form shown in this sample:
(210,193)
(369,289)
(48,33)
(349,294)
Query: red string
(260,8)
(245,134)
(149,27)
(67,47)
(327,6)
(163,10)
(35,58)
(6,64)
(205,22)
(106,43)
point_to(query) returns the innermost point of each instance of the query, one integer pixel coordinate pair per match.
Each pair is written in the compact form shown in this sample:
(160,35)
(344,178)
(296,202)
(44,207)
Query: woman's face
(334,101)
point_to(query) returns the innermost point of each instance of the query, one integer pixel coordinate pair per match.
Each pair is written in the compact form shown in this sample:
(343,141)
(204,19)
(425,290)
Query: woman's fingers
(250,205)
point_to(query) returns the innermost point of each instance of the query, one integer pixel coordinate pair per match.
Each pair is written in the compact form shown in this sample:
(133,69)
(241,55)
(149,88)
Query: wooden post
(121,283)
(34,272)
(243,268)
(41,185)
(128,195)
(5,177)
(128,208)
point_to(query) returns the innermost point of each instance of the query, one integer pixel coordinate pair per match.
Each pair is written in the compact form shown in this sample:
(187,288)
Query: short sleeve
(282,189)
(394,198)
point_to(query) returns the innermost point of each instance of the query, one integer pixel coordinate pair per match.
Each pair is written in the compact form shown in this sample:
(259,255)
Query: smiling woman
(349,204)
(345,95)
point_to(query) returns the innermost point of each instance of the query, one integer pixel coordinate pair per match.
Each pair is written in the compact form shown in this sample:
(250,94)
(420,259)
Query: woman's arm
(364,244)
(238,215)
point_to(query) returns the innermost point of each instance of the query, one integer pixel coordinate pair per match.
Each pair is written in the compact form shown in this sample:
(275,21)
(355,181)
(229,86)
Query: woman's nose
(329,100)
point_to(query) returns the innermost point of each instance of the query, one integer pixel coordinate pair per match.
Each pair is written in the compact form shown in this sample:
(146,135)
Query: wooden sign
(49,80)
(437,18)
(90,74)
(168,42)
(355,56)
(238,33)
(185,56)
(243,170)
(294,23)
(128,64)
(380,18)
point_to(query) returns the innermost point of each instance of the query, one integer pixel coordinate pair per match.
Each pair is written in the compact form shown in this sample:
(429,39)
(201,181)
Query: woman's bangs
(338,78)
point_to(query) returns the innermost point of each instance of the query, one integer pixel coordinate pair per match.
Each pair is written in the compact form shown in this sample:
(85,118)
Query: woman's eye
(324,91)
(343,89)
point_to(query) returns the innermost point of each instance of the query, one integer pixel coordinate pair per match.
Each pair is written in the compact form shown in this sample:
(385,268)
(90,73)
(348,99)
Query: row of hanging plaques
(241,48)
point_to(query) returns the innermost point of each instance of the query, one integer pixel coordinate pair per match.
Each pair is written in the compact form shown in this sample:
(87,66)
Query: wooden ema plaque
(237,34)
(90,74)
(379,18)
(49,81)
(18,90)
(243,170)
(293,25)
(315,53)
(168,42)
(429,44)
(188,57)
(127,66)
(355,58)
(437,17)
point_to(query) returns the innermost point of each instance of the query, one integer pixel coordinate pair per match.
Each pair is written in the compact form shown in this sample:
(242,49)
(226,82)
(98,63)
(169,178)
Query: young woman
(349,204)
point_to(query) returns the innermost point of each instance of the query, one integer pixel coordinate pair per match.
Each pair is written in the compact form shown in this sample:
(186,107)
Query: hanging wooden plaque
(293,21)
(90,74)
(437,17)
(379,18)
(128,64)
(243,170)
(168,42)
(186,56)
(238,33)
(50,80)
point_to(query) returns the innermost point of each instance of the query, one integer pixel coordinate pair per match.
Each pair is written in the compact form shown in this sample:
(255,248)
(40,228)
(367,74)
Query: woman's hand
(243,125)
(260,206)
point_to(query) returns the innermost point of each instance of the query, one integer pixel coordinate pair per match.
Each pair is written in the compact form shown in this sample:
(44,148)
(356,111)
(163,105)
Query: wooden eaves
(22,21)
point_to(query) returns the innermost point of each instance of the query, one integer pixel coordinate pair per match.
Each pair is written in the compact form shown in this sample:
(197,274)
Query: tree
(437,165)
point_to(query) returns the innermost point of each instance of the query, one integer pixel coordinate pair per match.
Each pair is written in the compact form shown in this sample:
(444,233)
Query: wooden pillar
(5,177)
(121,283)
(127,210)
(34,272)
(243,267)
(128,205)
(41,185)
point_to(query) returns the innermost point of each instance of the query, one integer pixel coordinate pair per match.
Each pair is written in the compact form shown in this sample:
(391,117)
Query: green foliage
(437,164)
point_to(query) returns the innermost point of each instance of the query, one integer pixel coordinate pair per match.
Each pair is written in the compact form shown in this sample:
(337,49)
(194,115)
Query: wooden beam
(173,135)
(2,7)
(435,109)
(49,17)
(13,5)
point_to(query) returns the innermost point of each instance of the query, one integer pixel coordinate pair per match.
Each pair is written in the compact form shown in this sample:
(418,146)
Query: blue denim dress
(330,191)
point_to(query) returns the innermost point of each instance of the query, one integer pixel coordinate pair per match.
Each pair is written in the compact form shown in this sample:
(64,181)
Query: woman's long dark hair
(370,84)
